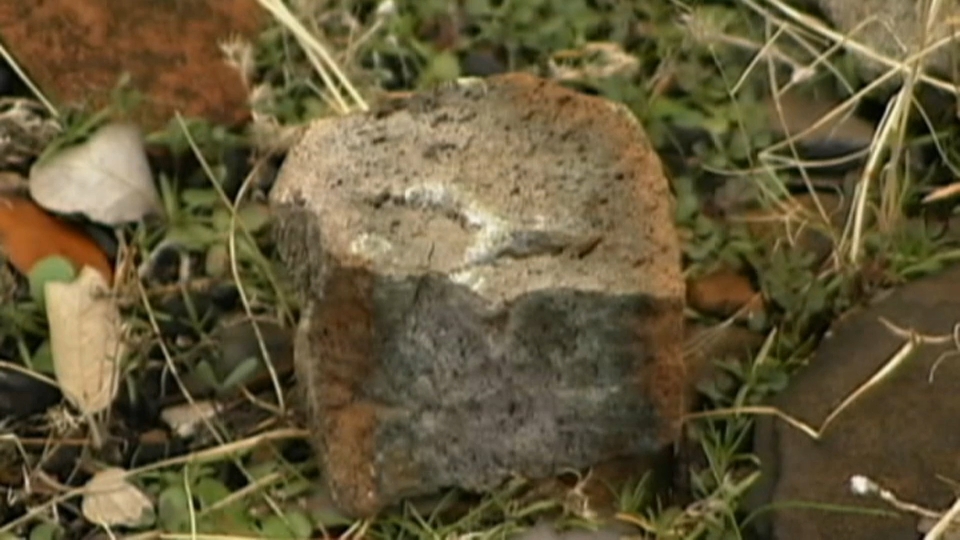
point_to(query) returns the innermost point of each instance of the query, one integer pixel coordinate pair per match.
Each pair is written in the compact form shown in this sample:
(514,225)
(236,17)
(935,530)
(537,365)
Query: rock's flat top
(504,171)
(902,433)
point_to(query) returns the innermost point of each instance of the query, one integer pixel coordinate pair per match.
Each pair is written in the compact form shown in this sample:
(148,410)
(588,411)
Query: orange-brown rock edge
(77,50)
(491,285)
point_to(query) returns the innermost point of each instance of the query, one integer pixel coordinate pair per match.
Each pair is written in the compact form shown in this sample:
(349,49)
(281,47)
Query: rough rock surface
(902,433)
(77,50)
(492,287)
(894,28)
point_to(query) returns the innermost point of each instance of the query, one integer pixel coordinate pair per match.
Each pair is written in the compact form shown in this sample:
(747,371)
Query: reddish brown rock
(724,293)
(491,281)
(77,50)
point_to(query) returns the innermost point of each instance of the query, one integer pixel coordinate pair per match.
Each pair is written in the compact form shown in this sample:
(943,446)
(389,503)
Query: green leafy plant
(47,270)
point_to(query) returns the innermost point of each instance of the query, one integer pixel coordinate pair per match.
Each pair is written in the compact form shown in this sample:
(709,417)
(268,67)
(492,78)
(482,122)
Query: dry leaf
(107,178)
(110,500)
(86,340)
(801,112)
(29,234)
(183,419)
(940,193)
(723,293)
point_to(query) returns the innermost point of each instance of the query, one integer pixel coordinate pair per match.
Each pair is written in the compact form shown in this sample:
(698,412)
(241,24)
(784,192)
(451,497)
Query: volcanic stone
(901,433)
(491,286)
(897,30)
(77,51)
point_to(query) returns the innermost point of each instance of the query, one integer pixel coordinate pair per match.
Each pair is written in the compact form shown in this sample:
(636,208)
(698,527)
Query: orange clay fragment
(28,234)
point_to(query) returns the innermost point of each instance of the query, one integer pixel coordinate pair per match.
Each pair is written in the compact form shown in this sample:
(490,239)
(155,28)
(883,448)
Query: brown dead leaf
(801,112)
(723,293)
(170,50)
(29,234)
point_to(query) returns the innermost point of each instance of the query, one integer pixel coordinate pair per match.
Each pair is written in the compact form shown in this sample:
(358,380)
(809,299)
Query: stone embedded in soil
(77,50)
(491,285)
(901,433)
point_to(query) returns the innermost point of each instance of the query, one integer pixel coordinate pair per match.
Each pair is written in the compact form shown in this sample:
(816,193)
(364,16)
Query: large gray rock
(901,433)
(491,281)
(896,29)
